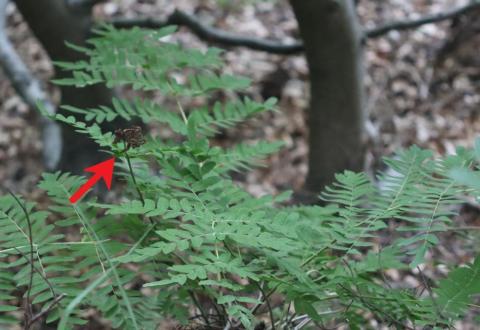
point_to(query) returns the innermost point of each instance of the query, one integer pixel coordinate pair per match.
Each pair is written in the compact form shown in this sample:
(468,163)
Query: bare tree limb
(433,18)
(225,38)
(48,308)
(82,4)
(30,89)
(212,34)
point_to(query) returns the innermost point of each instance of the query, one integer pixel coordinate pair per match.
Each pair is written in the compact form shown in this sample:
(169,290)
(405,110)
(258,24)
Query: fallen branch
(212,34)
(82,4)
(30,90)
(433,18)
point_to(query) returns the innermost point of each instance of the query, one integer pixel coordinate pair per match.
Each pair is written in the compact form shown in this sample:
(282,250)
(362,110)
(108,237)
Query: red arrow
(103,170)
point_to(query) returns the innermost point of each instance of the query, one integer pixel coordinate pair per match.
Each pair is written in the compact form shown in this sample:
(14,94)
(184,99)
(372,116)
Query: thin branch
(28,306)
(57,298)
(270,312)
(199,306)
(30,90)
(30,318)
(49,308)
(215,35)
(264,299)
(430,291)
(212,34)
(288,317)
(375,309)
(433,18)
(39,272)
(316,254)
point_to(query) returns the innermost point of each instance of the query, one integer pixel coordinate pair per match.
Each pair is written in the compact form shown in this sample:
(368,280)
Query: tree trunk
(331,34)
(53,23)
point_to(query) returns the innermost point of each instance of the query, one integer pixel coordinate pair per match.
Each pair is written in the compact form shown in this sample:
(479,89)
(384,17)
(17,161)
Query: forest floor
(423,88)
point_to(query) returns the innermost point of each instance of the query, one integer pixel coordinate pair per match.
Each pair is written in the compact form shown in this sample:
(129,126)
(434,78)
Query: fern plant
(186,242)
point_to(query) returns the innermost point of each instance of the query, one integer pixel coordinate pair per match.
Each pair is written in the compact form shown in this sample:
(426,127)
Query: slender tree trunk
(53,23)
(331,35)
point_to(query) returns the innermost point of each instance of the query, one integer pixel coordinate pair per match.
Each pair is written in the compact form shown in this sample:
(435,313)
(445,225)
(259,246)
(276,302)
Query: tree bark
(31,91)
(332,39)
(53,23)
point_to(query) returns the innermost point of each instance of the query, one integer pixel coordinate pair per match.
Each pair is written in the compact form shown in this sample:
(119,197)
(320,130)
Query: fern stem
(376,309)
(130,169)
(312,257)
(267,301)
(182,112)
(46,310)
(39,272)
(430,292)
(116,276)
(180,108)
(78,299)
(28,306)
(265,297)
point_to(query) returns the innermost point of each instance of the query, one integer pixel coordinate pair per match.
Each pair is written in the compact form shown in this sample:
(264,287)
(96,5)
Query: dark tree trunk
(331,35)
(53,23)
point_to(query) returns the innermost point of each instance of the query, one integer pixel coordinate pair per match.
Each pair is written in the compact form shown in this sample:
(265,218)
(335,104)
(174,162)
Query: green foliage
(455,292)
(183,230)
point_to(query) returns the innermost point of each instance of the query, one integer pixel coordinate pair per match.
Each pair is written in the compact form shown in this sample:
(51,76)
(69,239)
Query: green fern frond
(140,59)
(224,116)
(146,110)
(455,293)
(242,156)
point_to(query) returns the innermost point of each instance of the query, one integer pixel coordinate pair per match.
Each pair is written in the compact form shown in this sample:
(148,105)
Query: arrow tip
(104,170)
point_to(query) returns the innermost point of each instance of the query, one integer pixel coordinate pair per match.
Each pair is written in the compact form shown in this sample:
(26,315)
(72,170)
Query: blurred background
(415,84)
